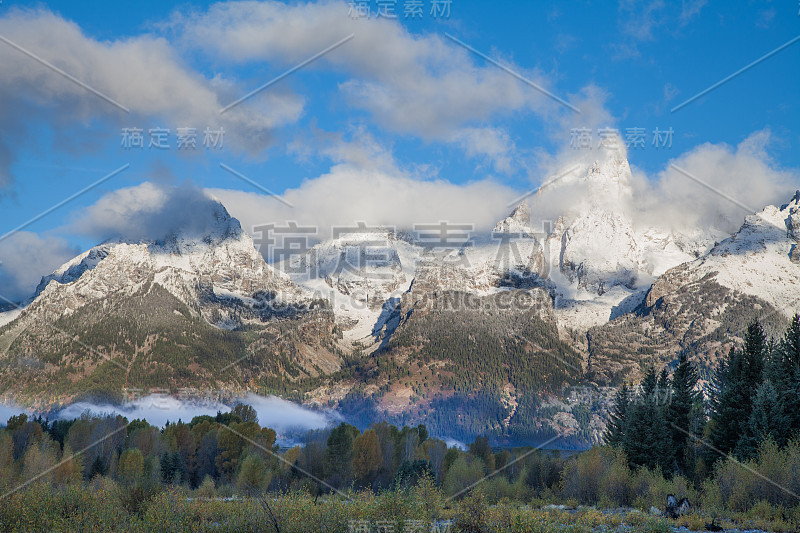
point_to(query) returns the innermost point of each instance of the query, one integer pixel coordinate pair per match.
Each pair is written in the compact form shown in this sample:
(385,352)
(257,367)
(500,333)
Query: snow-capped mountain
(365,273)
(359,272)
(597,260)
(760,260)
(184,310)
(601,255)
(217,273)
(600,293)
(701,306)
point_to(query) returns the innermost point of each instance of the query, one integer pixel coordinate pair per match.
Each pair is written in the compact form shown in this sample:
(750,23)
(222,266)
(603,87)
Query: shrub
(591,473)
(651,489)
(464,472)
(207,489)
(471,514)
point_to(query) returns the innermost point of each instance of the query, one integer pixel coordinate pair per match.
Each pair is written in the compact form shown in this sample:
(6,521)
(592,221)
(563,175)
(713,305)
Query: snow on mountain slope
(9,316)
(700,307)
(596,261)
(366,272)
(600,255)
(360,272)
(760,260)
(217,272)
(518,221)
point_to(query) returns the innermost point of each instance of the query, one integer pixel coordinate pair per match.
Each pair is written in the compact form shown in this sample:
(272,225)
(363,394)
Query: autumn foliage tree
(366,456)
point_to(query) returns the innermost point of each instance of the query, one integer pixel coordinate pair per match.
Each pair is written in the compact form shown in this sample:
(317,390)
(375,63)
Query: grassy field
(106,506)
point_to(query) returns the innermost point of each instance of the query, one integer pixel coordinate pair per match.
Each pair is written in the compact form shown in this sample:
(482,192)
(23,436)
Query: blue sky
(400,99)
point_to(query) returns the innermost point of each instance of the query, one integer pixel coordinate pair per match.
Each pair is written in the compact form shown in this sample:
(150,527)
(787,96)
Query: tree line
(232,453)
(668,422)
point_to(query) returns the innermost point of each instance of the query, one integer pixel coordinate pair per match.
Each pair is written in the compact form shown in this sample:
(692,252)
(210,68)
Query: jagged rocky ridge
(168,313)
(501,335)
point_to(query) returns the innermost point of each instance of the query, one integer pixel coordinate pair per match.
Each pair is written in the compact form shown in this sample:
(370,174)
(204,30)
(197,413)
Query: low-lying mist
(7,411)
(158,409)
(286,418)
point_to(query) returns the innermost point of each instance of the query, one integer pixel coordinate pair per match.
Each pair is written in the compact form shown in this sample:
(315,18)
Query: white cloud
(453,443)
(366,185)
(691,8)
(639,17)
(424,85)
(594,116)
(347,194)
(386,195)
(147,211)
(357,148)
(25,257)
(641,20)
(284,416)
(493,144)
(281,415)
(745,173)
(142,73)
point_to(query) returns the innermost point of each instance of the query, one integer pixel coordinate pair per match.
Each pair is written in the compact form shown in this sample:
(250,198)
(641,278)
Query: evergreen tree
(766,421)
(615,430)
(410,472)
(788,382)
(422,431)
(481,448)
(728,407)
(178,469)
(339,453)
(98,467)
(663,390)
(738,381)
(647,440)
(754,353)
(683,400)
(167,471)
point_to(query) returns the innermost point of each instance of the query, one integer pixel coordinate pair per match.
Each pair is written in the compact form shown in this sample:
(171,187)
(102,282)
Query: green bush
(600,473)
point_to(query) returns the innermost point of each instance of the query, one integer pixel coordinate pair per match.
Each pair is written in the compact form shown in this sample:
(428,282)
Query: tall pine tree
(615,430)
(737,382)
(679,413)
(754,353)
(766,421)
(788,383)
(647,440)
(724,428)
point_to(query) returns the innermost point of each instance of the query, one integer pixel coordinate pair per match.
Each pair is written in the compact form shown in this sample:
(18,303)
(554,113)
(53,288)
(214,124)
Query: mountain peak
(211,224)
(794,202)
(792,213)
(518,221)
(611,172)
(201,230)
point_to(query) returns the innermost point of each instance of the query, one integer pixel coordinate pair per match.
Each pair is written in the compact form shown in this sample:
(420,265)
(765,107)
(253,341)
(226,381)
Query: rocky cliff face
(167,313)
(601,255)
(218,274)
(702,306)
(482,336)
